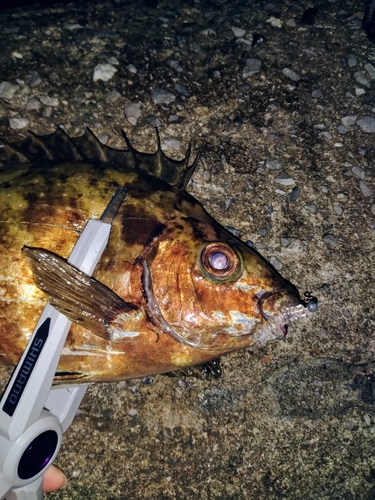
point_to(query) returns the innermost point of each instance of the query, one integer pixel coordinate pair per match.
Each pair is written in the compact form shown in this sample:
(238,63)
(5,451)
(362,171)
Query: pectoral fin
(82,299)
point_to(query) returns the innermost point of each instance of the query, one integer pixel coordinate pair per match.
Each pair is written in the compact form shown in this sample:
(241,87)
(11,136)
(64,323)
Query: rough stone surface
(294,420)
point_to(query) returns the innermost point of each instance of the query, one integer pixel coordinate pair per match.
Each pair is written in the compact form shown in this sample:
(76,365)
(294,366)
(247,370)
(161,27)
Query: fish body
(173,287)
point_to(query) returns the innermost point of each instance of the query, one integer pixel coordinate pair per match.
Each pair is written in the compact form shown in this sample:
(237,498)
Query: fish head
(210,290)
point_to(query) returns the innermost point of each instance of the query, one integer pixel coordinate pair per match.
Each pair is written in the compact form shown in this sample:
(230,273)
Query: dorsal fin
(58,146)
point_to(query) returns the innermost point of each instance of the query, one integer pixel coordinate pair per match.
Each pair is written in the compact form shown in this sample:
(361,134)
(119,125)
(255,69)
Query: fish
(173,289)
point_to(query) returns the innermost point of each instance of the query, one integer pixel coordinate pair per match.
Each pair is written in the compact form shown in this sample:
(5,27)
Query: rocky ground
(281,102)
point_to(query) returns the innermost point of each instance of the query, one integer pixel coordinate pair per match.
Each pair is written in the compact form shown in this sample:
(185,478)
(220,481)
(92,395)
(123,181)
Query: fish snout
(280,307)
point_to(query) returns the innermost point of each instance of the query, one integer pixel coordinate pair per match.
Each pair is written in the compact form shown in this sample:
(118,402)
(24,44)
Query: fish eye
(220,262)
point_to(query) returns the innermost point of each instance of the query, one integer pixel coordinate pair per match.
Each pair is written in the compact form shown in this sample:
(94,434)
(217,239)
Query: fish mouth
(283,314)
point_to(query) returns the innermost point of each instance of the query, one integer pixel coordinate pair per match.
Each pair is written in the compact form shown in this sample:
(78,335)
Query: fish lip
(262,296)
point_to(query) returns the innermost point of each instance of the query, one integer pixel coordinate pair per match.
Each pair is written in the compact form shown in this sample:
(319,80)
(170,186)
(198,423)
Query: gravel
(162,96)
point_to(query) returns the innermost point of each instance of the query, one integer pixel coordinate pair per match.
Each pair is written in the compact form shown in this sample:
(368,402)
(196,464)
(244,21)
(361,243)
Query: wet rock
(162,96)
(7,90)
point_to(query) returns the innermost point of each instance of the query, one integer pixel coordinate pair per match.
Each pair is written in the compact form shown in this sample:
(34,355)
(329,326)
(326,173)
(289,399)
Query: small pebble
(352,60)
(316,94)
(273,164)
(338,210)
(33,104)
(18,123)
(291,74)
(370,70)
(330,240)
(133,412)
(285,242)
(49,101)
(172,63)
(47,111)
(113,96)
(373,209)
(366,191)
(274,21)
(162,96)
(293,195)
(238,32)
(325,134)
(252,66)
(348,121)
(133,112)
(228,203)
(182,89)
(174,119)
(311,208)
(359,172)
(153,120)
(342,130)
(285,179)
(34,80)
(104,72)
(132,69)
(361,79)
(172,143)
(206,176)
(366,124)
(7,90)
(233,230)
(274,261)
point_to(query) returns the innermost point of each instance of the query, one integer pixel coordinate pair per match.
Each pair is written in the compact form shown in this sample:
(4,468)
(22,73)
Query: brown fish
(173,288)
